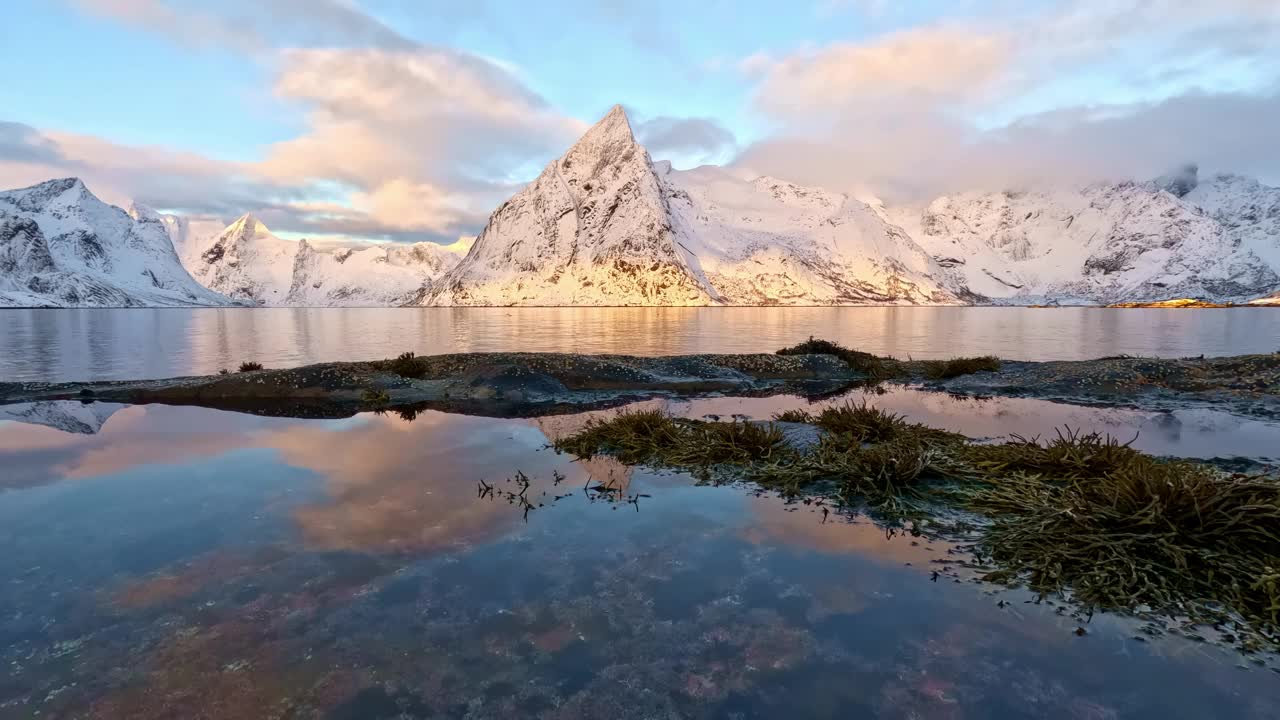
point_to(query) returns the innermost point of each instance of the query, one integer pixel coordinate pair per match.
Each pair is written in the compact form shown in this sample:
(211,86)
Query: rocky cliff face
(60,246)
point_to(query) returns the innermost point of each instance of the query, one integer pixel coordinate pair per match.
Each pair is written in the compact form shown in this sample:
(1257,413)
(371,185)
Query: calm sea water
(164,562)
(54,345)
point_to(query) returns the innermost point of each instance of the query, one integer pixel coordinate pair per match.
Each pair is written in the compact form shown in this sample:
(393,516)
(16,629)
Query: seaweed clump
(794,416)
(955,367)
(868,453)
(655,437)
(875,367)
(1121,529)
(406,365)
(250,366)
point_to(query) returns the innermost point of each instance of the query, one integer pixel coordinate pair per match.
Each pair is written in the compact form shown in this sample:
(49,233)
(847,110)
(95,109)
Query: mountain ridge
(606,225)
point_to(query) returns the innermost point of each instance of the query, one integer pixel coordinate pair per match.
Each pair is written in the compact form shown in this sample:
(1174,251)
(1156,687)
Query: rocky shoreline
(523,384)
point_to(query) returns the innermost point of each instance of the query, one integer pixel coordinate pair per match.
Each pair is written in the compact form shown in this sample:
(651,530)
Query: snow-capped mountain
(247,262)
(191,234)
(604,225)
(593,229)
(60,246)
(1126,242)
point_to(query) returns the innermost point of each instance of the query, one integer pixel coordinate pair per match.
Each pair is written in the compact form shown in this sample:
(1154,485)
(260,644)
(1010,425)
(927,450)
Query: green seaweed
(655,437)
(794,416)
(955,367)
(875,367)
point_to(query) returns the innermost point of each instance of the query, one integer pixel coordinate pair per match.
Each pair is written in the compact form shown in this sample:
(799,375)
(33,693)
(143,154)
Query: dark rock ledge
(524,384)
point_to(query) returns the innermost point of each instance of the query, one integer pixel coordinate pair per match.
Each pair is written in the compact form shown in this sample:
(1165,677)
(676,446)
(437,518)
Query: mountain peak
(1181,181)
(143,213)
(248,224)
(57,186)
(609,133)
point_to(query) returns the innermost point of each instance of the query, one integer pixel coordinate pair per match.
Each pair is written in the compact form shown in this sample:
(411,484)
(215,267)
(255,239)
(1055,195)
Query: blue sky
(400,120)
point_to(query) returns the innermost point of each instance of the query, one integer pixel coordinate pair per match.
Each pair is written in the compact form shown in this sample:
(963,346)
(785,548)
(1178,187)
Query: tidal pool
(165,562)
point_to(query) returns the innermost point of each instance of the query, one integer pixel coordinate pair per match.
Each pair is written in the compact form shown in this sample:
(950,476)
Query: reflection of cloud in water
(395,485)
(131,437)
(802,526)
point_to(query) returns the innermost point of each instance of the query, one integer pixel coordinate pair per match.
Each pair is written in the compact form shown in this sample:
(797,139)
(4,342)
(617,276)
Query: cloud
(24,144)
(375,114)
(932,155)
(401,140)
(701,138)
(153,175)
(426,139)
(1075,93)
(944,64)
(254,25)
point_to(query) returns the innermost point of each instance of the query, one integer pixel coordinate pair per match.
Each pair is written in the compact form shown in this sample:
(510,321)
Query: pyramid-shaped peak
(248,224)
(612,129)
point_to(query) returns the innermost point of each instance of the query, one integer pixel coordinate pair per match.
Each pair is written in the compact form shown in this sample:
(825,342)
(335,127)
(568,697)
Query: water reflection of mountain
(66,415)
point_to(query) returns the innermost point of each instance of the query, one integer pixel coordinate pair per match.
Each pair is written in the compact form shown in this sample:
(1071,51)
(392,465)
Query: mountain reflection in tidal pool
(165,562)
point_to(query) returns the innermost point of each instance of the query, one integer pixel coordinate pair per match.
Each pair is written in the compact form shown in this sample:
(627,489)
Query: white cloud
(439,124)
(1007,101)
(700,139)
(944,64)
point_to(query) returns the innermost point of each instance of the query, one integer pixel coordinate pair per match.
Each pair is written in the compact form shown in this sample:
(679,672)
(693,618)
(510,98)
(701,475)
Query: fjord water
(68,345)
(182,562)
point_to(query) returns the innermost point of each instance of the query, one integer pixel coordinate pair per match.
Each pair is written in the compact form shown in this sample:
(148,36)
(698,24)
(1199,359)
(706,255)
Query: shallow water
(183,562)
(68,345)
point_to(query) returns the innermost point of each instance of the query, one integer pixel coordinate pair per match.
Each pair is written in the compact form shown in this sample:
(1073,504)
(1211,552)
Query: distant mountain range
(605,225)
(62,247)
(246,262)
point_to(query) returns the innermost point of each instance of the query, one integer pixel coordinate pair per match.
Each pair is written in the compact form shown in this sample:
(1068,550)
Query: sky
(410,120)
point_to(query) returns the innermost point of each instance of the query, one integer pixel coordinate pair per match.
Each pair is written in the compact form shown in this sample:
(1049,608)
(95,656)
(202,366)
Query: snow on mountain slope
(769,242)
(60,246)
(604,225)
(389,275)
(1248,211)
(191,234)
(592,229)
(247,262)
(1103,244)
